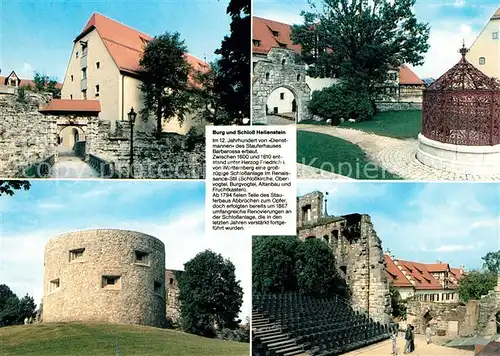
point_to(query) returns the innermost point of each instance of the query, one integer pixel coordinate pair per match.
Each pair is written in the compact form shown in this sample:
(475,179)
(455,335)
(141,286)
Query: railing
(41,169)
(79,148)
(104,168)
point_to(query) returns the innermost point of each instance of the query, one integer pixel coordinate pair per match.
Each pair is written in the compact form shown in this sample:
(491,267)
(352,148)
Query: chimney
(439,261)
(462,269)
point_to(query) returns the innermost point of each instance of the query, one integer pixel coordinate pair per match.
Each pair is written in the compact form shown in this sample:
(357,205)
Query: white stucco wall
(284,105)
(487,47)
(320,83)
(442,295)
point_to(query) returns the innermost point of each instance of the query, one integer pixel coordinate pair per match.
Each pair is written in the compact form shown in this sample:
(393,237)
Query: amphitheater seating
(289,324)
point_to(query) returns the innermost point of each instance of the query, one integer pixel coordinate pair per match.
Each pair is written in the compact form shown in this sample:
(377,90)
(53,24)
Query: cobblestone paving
(279,120)
(307,172)
(421,349)
(394,155)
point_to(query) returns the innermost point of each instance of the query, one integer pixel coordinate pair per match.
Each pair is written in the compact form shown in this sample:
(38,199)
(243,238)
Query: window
(393,76)
(157,287)
(256,43)
(13,83)
(76,254)
(283,62)
(76,54)
(84,73)
(282,96)
(275,33)
(97,90)
(142,257)
(71,78)
(482,61)
(282,45)
(306,213)
(84,48)
(84,94)
(326,238)
(171,281)
(71,96)
(98,65)
(144,40)
(335,234)
(494,35)
(54,285)
(437,297)
(267,76)
(111,282)
(298,77)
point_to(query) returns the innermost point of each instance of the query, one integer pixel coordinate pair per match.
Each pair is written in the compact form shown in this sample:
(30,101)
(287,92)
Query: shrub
(339,102)
(194,137)
(241,334)
(21,95)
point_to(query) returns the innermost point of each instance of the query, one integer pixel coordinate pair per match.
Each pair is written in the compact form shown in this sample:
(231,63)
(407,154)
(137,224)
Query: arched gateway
(279,70)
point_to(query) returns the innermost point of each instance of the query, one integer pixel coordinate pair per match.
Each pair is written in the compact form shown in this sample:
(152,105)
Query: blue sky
(172,211)
(455,222)
(451,21)
(38,34)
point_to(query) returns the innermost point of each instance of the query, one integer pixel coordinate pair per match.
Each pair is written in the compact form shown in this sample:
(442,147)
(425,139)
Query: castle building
(484,53)
(173,305)
(403,85)
(14,81)
(105,275)
(427,282)
(357,250)
(104,66)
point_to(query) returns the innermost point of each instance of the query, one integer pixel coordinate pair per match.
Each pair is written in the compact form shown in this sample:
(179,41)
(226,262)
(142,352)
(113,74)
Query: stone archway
(69,135)
(279,70)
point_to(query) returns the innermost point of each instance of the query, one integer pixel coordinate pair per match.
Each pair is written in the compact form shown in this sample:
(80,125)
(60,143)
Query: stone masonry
(105,275)
(279,69)
(173,302)
(357,249)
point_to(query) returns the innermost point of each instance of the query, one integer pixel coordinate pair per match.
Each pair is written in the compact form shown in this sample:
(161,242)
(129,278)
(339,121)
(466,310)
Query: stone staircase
(272,339)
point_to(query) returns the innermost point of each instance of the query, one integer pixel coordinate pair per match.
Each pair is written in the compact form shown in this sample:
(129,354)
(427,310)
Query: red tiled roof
(24,82)
(407,76)
(125,44)
(496,15)
(263,32)
(394,274)
(66,105)
(437,267)
(419,273)
(457,272)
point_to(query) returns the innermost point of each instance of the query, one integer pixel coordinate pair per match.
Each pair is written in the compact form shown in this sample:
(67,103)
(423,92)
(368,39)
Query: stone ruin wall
(26,136)
(82,294)
(173,302)
(358,255)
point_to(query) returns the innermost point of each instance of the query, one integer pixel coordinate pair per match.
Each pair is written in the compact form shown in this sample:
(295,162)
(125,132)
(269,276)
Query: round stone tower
(105,275)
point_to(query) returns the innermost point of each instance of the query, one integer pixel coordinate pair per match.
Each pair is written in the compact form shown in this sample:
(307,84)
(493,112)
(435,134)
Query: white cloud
(27,71)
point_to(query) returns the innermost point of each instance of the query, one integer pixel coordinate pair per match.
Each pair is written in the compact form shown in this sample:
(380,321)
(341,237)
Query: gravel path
(394,155)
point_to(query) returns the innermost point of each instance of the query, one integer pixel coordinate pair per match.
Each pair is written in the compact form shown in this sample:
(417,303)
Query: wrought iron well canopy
(462,107)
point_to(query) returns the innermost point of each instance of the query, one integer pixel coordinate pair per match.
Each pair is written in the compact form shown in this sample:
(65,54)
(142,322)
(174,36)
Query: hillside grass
(336,155)
(54,339)
(397,124)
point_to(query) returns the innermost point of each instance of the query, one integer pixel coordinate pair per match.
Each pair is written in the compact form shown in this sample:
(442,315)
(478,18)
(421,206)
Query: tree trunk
(159,116)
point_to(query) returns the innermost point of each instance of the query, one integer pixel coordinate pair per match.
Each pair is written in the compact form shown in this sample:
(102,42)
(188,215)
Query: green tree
(476,284)
(41,81)
(52,88)
(397,303)
(9,187)
(210,295)
(492,262)
(9,306)
(209,99)
(361,40)
(27,308)
(164,76)
(234,76)
(273,263)
(315,269)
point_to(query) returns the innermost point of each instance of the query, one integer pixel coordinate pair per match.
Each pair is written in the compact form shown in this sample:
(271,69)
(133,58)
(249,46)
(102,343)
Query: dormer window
(256,43)
(144,40)
(282,45)
(275,33)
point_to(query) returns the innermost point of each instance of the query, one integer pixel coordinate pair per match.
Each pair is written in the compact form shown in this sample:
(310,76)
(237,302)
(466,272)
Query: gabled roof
(125,44)
(263,31)
(72,106)
(419,273)
(22,82)
(496,15)
(408,77)
(397,277)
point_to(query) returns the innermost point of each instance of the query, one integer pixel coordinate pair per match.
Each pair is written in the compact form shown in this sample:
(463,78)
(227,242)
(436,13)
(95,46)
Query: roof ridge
(121,23)
(282,23)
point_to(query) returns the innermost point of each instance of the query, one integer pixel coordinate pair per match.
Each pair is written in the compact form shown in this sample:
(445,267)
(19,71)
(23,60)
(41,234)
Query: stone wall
(26,136)
(172,156)
(440,316)
(75,285)
(358,255)
(173,302)
(398,106)
(279,70)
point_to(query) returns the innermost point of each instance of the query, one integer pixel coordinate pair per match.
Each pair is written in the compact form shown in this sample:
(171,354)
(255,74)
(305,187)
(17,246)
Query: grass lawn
(336,155)
(54,339)
(398,124)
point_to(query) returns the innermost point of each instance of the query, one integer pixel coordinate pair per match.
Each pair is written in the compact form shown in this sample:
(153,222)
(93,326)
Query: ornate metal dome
(462,107)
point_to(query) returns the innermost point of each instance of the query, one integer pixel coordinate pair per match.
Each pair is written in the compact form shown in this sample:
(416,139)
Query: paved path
(279,120)
(394,155)
(421,349)
(69,165)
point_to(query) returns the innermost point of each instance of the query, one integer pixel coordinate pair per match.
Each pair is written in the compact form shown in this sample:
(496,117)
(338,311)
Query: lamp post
(131,119)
